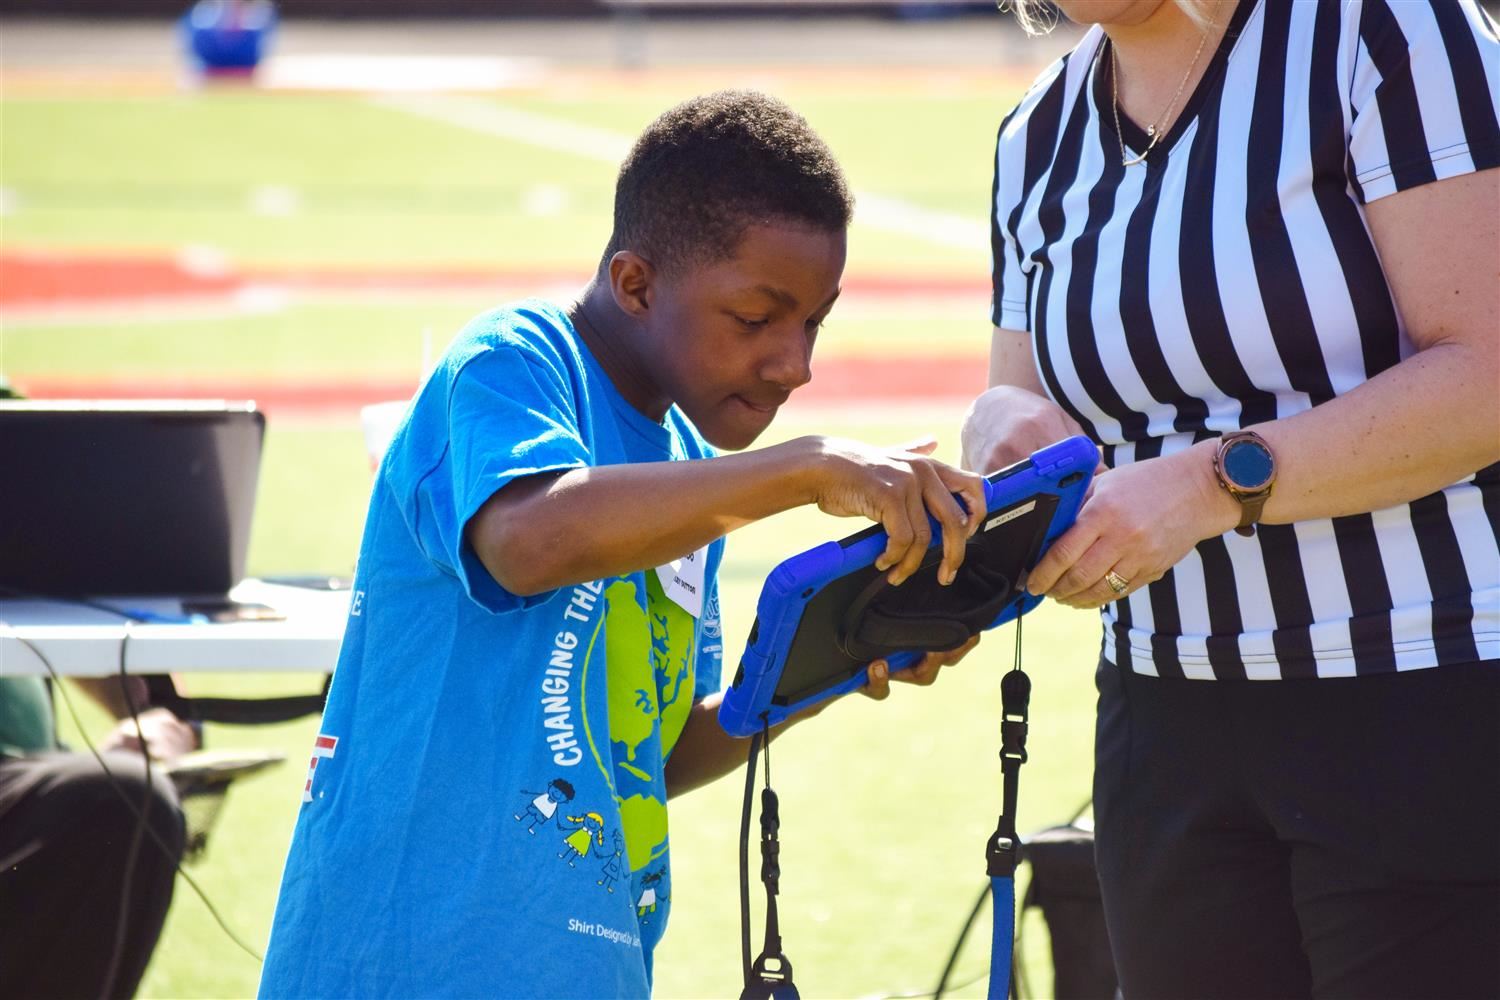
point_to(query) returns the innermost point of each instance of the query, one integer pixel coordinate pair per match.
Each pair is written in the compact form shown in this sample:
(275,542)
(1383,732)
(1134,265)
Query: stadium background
(313,240)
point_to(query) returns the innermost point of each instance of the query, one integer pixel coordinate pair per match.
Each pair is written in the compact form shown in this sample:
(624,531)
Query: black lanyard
(769,976)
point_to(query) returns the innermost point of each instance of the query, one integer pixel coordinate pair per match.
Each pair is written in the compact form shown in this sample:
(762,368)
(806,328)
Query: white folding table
(86,641)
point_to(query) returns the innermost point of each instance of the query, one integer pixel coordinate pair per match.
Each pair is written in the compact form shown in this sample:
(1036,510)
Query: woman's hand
(1005,424)
(1137,523)
(897,489)
(923,673)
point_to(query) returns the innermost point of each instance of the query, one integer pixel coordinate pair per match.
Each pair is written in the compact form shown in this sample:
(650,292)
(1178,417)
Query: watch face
(1247,465)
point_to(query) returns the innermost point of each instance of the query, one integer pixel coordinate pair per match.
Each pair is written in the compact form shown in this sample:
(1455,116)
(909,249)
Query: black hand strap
(768,976)
(923,615)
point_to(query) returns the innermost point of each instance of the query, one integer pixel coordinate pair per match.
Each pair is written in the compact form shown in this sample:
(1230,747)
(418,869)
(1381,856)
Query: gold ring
(1116,582)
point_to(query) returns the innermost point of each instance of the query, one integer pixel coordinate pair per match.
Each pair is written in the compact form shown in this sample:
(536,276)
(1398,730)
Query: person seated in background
(71,925)
(533,653)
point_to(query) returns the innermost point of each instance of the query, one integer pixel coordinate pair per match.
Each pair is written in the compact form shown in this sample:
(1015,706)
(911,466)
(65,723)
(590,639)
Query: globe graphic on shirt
(649,647)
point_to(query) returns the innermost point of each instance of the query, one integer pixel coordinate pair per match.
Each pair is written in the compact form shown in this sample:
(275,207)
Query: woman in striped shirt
(1283,218)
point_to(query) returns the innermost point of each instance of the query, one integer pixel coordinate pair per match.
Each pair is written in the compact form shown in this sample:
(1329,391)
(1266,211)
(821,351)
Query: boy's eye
(749,322)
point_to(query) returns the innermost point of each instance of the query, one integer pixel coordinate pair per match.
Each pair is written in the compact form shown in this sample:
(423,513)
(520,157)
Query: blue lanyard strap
(1003,896)
(1002,852)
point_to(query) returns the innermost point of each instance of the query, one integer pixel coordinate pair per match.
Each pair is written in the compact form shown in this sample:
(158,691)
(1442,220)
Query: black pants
(65,834)
(1326,838)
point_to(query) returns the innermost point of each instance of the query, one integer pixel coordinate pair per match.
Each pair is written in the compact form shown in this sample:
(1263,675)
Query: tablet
(826,613)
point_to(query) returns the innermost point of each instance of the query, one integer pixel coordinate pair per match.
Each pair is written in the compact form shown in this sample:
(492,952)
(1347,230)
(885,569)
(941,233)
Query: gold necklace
(1152,131)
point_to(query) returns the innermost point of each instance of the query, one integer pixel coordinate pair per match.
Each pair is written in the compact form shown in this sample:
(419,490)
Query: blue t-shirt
(485,810)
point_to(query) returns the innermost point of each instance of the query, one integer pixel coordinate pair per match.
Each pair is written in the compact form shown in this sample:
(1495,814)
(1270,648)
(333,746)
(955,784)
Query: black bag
(1065,887)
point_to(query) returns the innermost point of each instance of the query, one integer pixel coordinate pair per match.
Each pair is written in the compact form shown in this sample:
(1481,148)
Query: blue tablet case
(826,613)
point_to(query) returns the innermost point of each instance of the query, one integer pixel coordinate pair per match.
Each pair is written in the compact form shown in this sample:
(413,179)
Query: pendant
(1151,131)
(1138,160)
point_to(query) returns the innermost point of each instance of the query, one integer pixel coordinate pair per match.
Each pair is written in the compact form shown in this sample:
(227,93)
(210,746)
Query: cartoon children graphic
(589,826)
(541,808)
(613,866)
(649,896)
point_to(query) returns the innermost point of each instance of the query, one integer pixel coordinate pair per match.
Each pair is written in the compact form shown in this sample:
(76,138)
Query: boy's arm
(553,530)
(704,751)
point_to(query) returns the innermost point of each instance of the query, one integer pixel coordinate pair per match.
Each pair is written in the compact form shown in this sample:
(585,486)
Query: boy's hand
(923,673)
(897,488)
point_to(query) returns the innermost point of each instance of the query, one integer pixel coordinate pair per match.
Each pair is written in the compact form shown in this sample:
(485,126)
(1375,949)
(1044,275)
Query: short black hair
(706,169)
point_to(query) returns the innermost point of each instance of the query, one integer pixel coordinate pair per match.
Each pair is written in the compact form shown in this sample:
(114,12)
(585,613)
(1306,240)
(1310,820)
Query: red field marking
(36,281)
(32,279)
(837,382)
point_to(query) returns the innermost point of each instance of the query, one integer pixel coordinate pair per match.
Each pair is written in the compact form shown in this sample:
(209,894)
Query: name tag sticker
(682,581)
(1010,515)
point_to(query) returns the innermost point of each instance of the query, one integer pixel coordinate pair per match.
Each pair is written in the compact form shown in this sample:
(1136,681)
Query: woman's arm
(1415,428)
(1435,417)
(1014,417)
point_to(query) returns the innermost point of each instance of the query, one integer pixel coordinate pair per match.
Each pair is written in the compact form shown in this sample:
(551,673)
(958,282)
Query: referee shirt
(1232,280)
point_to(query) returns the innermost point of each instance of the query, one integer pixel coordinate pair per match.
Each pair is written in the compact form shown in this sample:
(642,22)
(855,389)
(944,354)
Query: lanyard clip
(770,846)
(771,979)
(1001,854)
(1015,697)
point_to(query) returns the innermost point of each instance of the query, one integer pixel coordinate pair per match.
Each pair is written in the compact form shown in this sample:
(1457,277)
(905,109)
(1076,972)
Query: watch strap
(1250,508)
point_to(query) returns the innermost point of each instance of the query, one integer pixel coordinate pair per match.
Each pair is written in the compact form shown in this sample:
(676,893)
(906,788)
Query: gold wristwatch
(1247,471)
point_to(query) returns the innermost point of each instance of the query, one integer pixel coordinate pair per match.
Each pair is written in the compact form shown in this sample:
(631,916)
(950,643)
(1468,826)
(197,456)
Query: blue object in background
(228,37)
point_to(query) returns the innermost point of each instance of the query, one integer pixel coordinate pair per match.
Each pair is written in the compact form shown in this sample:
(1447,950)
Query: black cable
(929,995)
(114,783)
(963,935)
(1020,982)
(747,961)
(1088,804)
(133,855)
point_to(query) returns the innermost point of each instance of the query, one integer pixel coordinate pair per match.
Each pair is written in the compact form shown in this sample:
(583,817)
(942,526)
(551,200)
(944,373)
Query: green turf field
(886,807)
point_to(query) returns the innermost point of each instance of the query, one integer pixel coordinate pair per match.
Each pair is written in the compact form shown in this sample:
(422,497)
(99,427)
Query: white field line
(939,416)
(262,298)
(492,118)
(608,146)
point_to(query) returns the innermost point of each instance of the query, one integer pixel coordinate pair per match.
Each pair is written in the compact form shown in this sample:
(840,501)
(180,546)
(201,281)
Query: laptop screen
(126,498)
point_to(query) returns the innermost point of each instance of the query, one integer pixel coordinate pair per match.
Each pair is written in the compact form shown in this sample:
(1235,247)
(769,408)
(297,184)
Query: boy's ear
(630,280)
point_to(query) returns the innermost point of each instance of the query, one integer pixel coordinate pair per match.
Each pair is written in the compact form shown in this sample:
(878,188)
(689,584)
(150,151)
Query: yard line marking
(891,215)
(276,200)
(495,119)
(943,228)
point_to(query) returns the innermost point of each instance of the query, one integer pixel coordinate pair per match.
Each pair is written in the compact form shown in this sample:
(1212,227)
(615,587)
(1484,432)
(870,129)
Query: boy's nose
(791,366)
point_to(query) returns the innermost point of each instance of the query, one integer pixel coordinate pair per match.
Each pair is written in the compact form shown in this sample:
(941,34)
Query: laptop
(126,498)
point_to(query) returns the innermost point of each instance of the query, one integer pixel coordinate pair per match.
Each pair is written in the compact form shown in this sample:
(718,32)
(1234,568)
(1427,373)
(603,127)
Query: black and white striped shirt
(1232,280)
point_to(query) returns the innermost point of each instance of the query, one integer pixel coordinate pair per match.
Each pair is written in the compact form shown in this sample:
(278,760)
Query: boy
(510,630)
